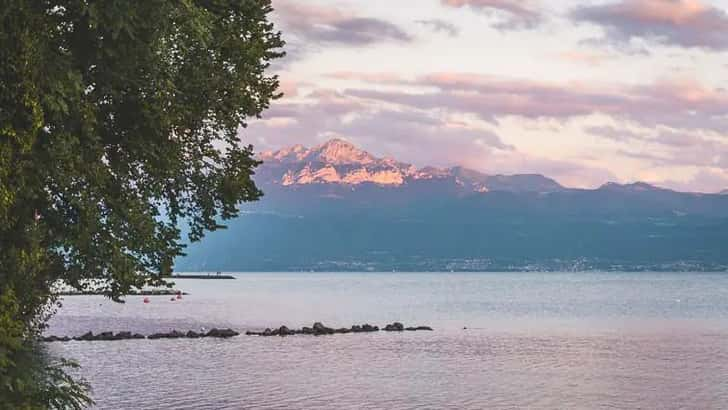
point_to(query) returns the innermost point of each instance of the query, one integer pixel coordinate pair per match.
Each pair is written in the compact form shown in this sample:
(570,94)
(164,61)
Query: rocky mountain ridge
(340,162)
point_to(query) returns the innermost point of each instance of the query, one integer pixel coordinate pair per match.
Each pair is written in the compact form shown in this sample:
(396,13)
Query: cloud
(445,119)
(421,137)
(440,26)
(586,58)
(379,77)
(668,147)
(705,180)
(406,134)
(309,23)
(512,14)
(614,134)
(682,23)
(672,103)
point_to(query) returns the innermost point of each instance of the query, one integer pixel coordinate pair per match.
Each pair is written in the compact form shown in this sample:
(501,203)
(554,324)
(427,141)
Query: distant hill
(337,208)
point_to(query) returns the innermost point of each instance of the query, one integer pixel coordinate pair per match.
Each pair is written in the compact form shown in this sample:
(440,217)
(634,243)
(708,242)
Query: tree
(118,121)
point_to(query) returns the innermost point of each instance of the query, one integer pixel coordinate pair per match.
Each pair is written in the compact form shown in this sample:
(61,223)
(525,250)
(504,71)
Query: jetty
(318,329)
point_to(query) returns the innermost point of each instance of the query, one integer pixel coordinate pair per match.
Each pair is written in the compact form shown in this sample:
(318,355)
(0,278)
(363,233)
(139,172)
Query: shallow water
(546,340)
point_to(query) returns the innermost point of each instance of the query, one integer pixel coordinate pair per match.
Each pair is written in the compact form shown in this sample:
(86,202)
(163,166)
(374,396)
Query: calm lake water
(533,340)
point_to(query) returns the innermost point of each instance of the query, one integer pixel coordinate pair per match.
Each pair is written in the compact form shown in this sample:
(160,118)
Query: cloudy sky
(582,91)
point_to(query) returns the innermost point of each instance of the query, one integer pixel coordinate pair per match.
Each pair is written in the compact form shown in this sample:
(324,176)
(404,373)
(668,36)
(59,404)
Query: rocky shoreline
(318,329)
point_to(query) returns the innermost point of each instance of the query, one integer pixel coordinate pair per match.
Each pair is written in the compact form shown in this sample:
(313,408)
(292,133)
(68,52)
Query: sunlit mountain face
(334,207)
(340,162)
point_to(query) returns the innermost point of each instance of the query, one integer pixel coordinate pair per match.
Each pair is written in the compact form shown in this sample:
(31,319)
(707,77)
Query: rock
(222,333)
(88,336)
(394,327)
(176,335)
(418,328)
(52,339)
(369,328)
(171,335)
(193,335)
(123,336)
(342,330)
(307,331)
(364,328)
(320,329)
(284,331)
(155,336)
(105,336)
(138,336)
(230,333)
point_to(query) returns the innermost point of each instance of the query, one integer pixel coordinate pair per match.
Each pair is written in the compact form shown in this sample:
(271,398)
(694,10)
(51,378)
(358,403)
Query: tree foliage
(118,120)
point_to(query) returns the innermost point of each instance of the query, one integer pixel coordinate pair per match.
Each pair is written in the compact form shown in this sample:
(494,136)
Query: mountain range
(335,207)
(340,162)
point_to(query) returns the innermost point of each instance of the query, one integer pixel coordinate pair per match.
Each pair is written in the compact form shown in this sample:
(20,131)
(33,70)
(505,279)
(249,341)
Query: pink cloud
(313,24)
(684,23)
(673,103)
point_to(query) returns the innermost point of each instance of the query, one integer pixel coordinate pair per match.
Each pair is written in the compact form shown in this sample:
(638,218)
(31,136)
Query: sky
(585,92)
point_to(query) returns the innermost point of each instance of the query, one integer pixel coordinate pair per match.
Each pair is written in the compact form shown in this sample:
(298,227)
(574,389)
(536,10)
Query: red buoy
(146,300)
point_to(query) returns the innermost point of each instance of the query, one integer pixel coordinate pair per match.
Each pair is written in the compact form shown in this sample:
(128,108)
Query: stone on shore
(221,333)
(394,327)
(284,331)
(419,328)
(364,328)
(320,329)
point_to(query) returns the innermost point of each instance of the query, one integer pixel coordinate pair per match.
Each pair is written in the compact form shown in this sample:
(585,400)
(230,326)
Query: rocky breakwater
(150,292)
(318,329)
(174,334)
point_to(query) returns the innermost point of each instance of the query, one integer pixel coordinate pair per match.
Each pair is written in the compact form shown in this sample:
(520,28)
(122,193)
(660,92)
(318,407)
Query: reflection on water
(532,340)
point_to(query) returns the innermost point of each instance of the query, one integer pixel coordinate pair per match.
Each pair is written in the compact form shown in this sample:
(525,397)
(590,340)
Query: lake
(501,340)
